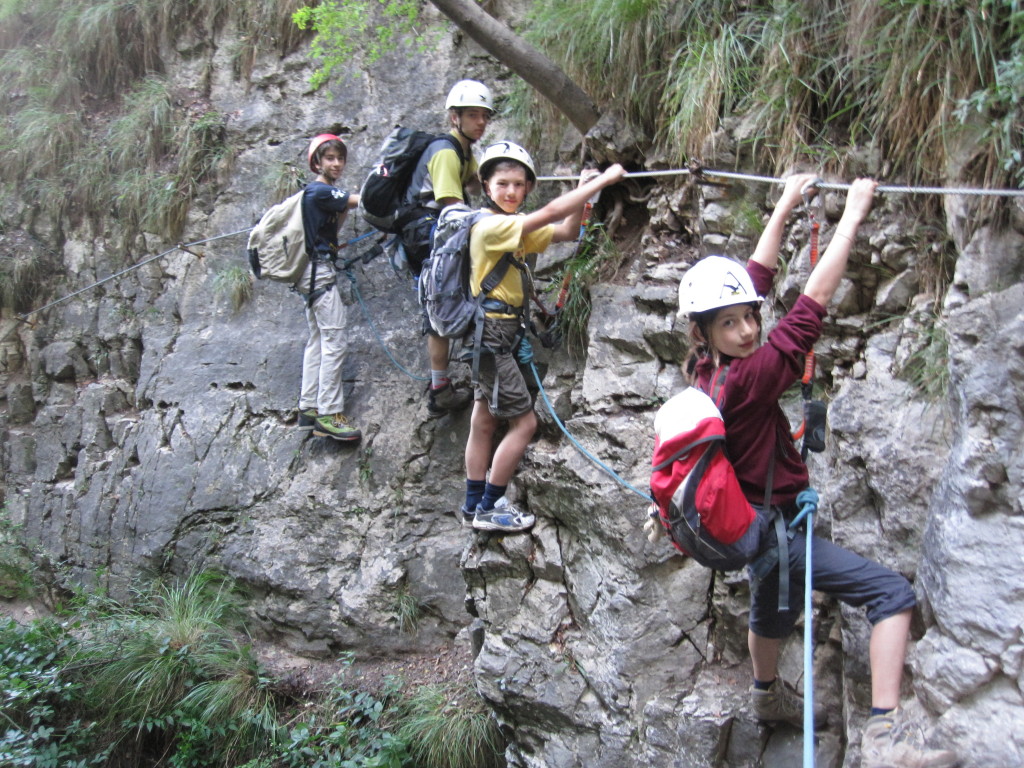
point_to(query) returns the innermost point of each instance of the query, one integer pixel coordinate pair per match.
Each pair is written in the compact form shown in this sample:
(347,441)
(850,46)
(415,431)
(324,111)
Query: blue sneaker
(505,516)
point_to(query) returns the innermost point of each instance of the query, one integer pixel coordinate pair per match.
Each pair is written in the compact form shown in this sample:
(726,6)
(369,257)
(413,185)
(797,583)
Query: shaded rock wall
(147,428)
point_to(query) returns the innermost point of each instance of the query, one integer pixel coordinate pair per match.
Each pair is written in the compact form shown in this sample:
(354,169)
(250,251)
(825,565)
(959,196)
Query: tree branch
(523,59)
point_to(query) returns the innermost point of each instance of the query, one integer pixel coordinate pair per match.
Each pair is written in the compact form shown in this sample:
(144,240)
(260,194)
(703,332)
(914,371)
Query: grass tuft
(236,284)
(407,610)
(450,726)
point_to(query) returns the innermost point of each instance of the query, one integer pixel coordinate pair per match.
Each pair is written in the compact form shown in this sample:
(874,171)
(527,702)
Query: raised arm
(567,209)
(824,280)
(767,251)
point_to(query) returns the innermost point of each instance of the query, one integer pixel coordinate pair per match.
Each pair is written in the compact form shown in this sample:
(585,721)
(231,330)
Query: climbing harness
(807,500)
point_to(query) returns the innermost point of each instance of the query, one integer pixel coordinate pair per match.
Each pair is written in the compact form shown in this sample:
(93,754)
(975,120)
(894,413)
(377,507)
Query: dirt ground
(449,664)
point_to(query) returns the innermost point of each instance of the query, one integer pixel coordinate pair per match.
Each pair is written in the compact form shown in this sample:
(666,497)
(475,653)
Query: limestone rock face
(147,427)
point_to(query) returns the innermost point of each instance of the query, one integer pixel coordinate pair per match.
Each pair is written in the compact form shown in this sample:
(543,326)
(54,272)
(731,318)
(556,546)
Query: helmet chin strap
(458,126)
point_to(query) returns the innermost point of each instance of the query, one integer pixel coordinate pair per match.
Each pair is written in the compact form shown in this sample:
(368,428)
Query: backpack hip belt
(500,307)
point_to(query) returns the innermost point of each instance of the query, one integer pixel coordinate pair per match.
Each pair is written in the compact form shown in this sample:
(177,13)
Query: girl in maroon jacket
(721,300)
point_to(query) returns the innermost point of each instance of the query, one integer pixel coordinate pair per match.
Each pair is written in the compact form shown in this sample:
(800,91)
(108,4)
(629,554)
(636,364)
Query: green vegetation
(926,367)
(407,609)
(807,76)
(93,131)
(234,283)
(595,259)
(16,574)
(918,81)
(171,679)
(352,30)
(448,726)
(21,275)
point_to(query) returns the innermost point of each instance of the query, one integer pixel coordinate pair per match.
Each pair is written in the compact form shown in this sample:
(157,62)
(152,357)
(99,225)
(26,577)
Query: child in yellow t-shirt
(507,176)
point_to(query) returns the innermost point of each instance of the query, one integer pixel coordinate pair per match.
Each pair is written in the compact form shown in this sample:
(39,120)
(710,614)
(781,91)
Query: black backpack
(382,196)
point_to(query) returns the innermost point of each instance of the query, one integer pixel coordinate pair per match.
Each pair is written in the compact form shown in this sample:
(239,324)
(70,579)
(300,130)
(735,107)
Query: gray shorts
(502,372)
(848,577)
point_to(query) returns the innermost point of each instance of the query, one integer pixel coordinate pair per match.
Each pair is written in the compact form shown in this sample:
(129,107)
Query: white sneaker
(505,516)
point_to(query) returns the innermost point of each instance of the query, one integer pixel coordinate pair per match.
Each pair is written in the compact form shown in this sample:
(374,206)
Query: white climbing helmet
(469,93)
(506,150)
(712,283)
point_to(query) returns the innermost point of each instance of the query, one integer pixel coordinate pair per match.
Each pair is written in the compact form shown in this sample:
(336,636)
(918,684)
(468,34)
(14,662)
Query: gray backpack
(444,282)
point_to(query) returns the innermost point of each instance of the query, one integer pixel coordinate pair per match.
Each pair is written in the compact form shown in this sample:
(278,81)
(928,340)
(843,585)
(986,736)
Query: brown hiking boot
(889,742)
(782,704)
(447,398)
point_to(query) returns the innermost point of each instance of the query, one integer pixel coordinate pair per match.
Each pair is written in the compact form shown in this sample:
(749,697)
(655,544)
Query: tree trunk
(523,59)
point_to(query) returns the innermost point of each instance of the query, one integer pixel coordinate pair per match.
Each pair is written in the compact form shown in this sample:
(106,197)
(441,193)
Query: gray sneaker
(780,703)
(446,399)
(505,516)
(890,742)
(307,419)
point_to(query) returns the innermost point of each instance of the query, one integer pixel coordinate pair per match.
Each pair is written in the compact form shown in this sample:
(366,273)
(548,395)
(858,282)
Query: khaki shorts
(502,372)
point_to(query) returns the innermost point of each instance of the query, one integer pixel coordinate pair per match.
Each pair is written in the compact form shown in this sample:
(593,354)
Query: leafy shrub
(344,729)
(40,701)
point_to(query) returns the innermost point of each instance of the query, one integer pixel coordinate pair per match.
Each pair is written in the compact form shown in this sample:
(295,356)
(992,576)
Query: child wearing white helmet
(721,300)
(507,175)
(444,173)
(322,399)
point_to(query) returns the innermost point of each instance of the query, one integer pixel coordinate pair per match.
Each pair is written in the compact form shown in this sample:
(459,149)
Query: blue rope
(376,335)
(576,443)
(808,503)
(361,237)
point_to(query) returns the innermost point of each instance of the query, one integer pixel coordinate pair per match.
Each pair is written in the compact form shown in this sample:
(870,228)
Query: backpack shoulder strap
(490,281)
(685,450)
(456,145)
(717,386)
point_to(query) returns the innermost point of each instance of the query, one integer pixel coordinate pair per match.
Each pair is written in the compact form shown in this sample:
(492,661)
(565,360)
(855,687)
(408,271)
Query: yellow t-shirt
(491,238)
(446,176)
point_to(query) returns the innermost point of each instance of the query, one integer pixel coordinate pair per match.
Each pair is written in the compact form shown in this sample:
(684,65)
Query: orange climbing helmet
(315,144)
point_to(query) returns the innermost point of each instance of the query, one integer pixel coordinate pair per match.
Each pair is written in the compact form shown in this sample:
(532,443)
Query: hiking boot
(307,419)
(505,516)
(336,426)
(780,703)
(465,516)
(889,742)
(447,398)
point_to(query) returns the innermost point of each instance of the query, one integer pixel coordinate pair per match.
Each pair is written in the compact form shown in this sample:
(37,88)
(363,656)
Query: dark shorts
(503,383)
(848,577)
